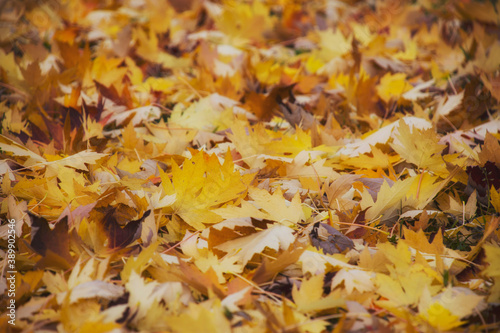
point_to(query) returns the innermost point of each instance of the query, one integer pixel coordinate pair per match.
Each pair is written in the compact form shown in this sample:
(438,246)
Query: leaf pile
(257,166)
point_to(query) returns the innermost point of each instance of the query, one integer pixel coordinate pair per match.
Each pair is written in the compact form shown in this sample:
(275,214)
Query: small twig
(267,256)
(356,225)
(420,183)
(293,327)
(392,229)
(38,204)
(179,243)
(482,319)
(137,154)
(8,86)
(253,284)
(183,80)
(452,85)
(162,107)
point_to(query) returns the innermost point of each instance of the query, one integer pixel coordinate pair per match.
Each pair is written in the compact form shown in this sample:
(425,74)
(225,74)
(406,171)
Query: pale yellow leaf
(275,238)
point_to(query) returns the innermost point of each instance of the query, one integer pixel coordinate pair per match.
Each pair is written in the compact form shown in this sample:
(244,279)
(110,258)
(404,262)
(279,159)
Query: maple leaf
(144,301)
(206,317)
(76,161)
(243,22)
(201,186)
(138,264)
(447,105)
(267,206)
(329,239)
(354,279)
(111,112)
(206,260)
(17,149)
(493,270)
(380,136)
(135,116)
(421,148)
(490,151)
(275,238)
(419,242)
(310,298)
(268,269)
(377,160)
(392,86)
(227,265)
(209,113)
(96,288)
(446,310)
(54,253)
(388,200)
(333,44)
(309,164)
(119,236)
(255,143)
(314,261)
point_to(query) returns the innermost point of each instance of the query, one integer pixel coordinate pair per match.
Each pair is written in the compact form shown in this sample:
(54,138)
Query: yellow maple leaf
(148,49)
(9,65)
(268,72)
(493,270)
(84,315)
(440,317)
(490,150)
(244,22)
(276,237)
(206,317)
(227,264)
(406,281)
(77,188)
(138,264)
(11,146)
(419,241)
(92,128)
(392,86)
(420,147)
(13,118)
(201,185)
(309,298)
(388,200)
(77,161)
(495,198)
(315,261)
(377,160)
(402,290)
(354,279)
(255,143)
(267,206)
(108,72)
(410,52)
(314,63)
(446,310)
(333,44)
(289,145)
(206,114)
(144,301)
(161,84)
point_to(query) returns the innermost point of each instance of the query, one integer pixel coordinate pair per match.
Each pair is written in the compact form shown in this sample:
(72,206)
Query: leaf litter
(230,166)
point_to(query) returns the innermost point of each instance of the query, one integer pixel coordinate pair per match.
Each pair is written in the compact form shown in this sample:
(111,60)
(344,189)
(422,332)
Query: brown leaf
(296,115)
(53,244)
(119,236)
(264,106)
(329,239)
(268,269)
(201,281)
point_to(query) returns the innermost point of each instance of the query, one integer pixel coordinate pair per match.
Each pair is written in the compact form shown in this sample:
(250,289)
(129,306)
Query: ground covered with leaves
(250,166)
